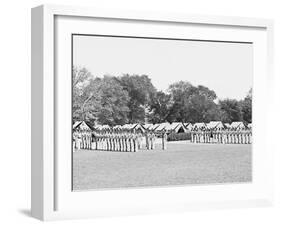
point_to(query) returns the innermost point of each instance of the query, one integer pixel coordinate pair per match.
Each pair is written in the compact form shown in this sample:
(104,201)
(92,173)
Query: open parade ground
(182,163)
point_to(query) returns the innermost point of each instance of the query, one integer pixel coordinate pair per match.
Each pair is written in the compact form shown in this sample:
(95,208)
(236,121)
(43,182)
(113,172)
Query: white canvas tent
(102,127)
(81,125)
(227,125)
(126,126)
(118,127)
(98,127)
(237,125)
(199,125)
(188,125)
(154,126)
(177,127)
(215,125)
(77,123)
(137,126)
(147,126)
(163,126)
(105,127)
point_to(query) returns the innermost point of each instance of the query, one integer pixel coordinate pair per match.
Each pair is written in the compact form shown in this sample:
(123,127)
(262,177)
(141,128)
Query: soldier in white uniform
(85,134)
(93,140)
(203,136)
(147,140)
(82,140)
(132,142)
(138,140)
(237,135)
(201,133)
(192,135)
(234,136)
(164,141)
(224,136)
(125,141)
(111,140)
(129,142)
(196,136)
(195,140)
(230,136)
(228,132)
(242,136)
(135,141)
(85,139)
(219,136)
(207,134)
(79,140)
(106,141)
(121,141)
(116,143)
(102,140)
(153,138)
(74,140)
(248,136)
(88,138)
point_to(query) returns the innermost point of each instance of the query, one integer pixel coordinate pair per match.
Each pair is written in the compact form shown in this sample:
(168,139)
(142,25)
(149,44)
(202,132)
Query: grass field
(183,163)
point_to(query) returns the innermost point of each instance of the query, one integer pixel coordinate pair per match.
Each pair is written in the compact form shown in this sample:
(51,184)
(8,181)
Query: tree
(160,107)
(191,103)
(231,110)
(141,91)
(80,76)
(133,99)
(113,103)
(180,92)
(90,100)
(199,107)
(205,91)
(246,106)
(84,91)
(98,100)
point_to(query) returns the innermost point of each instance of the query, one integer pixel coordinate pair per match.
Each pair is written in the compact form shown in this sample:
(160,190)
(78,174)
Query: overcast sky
(226,68)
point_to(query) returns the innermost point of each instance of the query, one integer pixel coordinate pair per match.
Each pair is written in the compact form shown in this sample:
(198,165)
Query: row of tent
(220,125)
(177,127)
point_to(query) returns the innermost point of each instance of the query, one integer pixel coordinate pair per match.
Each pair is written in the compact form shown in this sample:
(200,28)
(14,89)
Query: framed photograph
(141,112)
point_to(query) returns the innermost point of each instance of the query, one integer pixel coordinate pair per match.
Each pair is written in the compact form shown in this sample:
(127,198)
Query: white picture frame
(52,198)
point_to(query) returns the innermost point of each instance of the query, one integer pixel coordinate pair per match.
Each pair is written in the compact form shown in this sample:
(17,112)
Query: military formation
(222,136)
(116,140)
(136,139)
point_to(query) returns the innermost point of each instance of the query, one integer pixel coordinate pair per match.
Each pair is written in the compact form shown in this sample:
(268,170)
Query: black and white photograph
(150,112)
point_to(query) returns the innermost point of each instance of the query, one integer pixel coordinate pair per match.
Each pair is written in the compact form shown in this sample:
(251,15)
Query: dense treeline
(133,99)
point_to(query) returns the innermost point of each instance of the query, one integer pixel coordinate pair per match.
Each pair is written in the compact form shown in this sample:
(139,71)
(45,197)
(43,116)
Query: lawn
(182,163)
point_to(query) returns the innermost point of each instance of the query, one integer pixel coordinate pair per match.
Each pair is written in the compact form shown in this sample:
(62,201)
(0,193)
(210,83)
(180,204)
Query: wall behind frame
(16,109)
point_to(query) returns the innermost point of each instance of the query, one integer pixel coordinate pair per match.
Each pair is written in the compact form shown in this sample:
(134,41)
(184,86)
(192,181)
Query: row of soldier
(123,141)
(222,136)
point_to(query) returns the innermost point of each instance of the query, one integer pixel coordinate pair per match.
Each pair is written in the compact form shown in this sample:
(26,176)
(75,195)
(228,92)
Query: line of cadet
(221,136)
(123,141)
